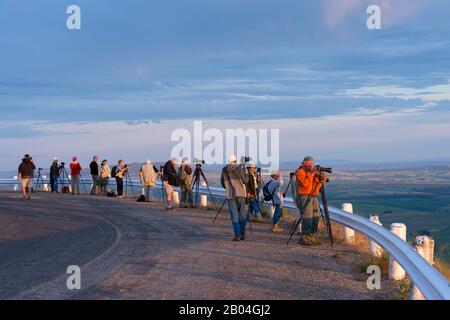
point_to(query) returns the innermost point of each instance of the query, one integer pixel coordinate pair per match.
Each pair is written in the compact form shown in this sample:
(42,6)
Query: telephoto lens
(324,169)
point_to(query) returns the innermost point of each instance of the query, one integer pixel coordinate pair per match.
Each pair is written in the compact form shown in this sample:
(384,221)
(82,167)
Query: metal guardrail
(432,284)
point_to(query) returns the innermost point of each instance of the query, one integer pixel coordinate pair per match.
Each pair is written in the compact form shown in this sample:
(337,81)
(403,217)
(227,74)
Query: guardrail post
(396,272)
(16,186)
(349,234)
(204,201)
(375,249)
(425,247)
(176,198)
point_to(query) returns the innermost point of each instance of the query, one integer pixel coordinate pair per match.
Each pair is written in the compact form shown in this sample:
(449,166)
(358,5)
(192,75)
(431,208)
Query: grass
(420,207)
(443,267)
(382,262)
(403,290)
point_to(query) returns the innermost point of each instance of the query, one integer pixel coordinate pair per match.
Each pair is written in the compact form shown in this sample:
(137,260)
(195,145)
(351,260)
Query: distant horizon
(335,162)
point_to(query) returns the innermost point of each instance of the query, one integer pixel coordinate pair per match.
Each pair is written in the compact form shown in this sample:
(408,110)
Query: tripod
(325,214)
(39,181)
(82,182)
(198,175)
(220,210)
(62,177)
(290,185)
(160,177)
(128,180)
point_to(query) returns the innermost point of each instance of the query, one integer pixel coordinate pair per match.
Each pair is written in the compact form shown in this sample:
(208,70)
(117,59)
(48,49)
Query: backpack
(268,196)
(114,172)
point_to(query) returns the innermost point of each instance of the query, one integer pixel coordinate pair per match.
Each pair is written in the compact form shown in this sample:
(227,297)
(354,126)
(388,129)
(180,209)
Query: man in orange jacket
(309,184)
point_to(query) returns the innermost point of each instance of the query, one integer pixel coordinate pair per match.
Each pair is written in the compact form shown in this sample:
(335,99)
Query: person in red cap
(75,169)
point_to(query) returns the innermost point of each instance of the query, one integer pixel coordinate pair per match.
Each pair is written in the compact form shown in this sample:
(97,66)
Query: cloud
(137,123)
(366,135)
(435,93)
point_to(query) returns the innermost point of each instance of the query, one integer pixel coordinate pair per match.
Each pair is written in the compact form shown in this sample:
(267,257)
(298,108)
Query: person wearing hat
(234,180)
(104,175)
(75,171)
(54,175)
(274,187)
(148,175)
(309,185)
(185,178)
(254,183)
(26,173)
(120,171)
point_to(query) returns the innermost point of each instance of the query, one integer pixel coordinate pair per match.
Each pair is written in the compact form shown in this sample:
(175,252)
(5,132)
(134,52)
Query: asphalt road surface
(130,250)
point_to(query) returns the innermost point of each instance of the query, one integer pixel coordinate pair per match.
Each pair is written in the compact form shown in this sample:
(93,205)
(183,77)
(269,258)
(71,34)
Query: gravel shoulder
(130,250)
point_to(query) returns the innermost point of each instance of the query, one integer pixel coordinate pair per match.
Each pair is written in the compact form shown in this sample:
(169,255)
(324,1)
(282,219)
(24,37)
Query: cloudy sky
(138,69)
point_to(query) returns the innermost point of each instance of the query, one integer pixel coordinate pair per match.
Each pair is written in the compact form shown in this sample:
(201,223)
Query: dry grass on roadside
(443,268)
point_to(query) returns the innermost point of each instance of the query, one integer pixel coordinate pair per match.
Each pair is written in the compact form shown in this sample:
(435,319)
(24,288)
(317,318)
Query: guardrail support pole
(271,211)
(176,198)
(375,249)
(396,272)
(425,247)
(349,234)
(204,201)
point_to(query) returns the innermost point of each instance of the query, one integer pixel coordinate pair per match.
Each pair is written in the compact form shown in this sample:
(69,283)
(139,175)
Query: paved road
(129,250)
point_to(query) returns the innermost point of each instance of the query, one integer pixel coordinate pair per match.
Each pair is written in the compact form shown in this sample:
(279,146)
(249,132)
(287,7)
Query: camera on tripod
(321,171)
(62,165)
(245,159)
(198,163)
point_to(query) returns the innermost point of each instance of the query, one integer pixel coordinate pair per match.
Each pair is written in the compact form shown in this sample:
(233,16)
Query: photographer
(26,173)
(274,188)
(309,184)
(104,174)
(119,172)
(148,175)
(254,183)
(94,173)
(234,179)
(185,178)
(54,175)
(75,170)
(170,178)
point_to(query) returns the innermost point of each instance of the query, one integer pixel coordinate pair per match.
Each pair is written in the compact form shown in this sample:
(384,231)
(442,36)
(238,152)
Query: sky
(137,70)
